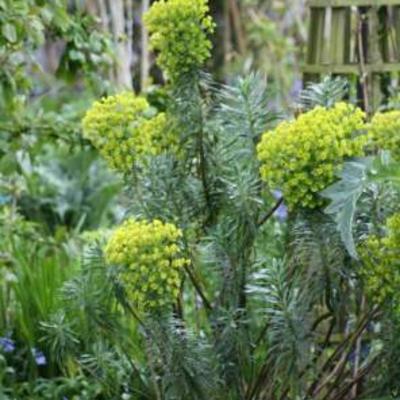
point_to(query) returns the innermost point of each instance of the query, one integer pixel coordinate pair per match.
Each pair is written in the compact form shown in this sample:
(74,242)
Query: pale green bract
(124,130)
(381,262)
(151,261)
(179,32)
(301,157)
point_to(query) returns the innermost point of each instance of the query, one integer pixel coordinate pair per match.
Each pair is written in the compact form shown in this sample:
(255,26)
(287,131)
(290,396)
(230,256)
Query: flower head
(384,132)
(124,129)
(151,261)
(381,262)
(7,344)
(301,157)
(39,357)
(281,212)
(179,31)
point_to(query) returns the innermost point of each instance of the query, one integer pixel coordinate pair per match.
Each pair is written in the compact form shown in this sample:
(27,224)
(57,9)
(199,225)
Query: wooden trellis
(355,37)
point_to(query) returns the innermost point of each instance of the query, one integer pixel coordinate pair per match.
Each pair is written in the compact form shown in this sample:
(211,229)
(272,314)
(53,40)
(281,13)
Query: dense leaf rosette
(125,130)
(151,261)
(302,157)
(179,32)
(384,132)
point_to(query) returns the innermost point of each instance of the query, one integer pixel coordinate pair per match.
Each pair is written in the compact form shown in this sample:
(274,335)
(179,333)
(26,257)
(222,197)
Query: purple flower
(282,211)
(7,344)
(40,358)
(296,89)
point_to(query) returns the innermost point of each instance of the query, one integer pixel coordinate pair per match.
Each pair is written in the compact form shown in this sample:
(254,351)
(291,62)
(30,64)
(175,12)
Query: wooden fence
(359,38)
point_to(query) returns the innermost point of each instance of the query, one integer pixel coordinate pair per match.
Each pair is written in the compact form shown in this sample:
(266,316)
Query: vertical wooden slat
(315,40)
(316,35)
(396,22)
(340,37)
(386,34)
(326,48)
(374,57)
(145,56)
(353,35)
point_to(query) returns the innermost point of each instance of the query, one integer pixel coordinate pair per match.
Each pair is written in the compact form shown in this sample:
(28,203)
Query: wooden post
(374,57)
(145,57)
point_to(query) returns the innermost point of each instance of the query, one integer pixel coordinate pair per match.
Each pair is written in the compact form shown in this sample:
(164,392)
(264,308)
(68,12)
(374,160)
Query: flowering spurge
(384,132)
(125,130)
(151,261)
(301,157)
(179,32)
(381,262)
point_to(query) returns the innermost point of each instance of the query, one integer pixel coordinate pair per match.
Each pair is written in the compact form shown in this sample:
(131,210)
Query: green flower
(125,130)
(152,261)
(381,262)
(179,32)
(302,157)
(384,132)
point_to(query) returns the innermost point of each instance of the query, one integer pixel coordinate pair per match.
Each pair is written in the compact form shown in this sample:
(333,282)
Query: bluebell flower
(296,89)
(282,212)
(7,344)
(40,358)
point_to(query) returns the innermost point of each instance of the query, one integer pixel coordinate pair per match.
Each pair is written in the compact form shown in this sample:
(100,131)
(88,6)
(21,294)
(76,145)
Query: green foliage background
(273,304)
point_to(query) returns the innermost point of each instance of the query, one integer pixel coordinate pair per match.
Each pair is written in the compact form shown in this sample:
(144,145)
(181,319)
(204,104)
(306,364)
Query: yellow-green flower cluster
(151,261)
(301,157)
(124,130)
(179,32)
(381,262)
(384,132)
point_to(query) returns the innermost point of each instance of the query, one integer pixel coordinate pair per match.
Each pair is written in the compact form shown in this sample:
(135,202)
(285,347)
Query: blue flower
(7,344)
(296,89)
(40,358)
(282,211)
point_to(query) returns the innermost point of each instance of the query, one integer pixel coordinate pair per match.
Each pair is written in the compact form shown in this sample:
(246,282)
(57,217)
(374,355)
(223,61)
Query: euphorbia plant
(232,303)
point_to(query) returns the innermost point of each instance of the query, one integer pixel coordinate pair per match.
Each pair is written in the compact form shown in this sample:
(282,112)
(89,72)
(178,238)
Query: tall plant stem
(198,289)
(202,167)
(203,171)
(342,350)
(270,213)
(152,370)
(357,356)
